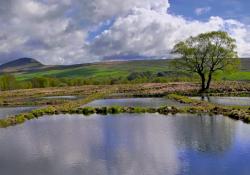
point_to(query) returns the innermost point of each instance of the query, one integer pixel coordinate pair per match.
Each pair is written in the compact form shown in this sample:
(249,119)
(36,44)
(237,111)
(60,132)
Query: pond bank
(63,108)
(198,107)
(195,106)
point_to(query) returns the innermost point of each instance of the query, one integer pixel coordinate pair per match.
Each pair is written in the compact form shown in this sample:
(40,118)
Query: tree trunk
(209,81)
(203,83)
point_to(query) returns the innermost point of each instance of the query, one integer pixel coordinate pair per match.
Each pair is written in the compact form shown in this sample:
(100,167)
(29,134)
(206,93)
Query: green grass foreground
(62,108)
(197,107)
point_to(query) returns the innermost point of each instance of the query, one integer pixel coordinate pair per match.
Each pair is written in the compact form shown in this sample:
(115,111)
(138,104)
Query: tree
(8,82)
(207,54)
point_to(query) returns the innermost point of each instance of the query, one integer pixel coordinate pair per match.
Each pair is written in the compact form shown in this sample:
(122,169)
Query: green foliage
(38,112)
(102,110)
(42,82)
(4,123)
(131,72)
(139,110)
(20,119)
(133,78)
(206,54)
(88,110)
(115,110)
(29,116)
(8,82)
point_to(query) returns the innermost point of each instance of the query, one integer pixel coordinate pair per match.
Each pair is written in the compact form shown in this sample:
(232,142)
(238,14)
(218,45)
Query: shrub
(114,110)
(88,110)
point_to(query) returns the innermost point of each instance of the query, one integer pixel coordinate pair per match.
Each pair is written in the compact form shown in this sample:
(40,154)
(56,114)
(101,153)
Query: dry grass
(32,96)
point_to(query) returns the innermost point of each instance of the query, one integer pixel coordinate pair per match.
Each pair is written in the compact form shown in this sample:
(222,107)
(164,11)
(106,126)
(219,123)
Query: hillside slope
(98,70)
(22,64)
(101,70)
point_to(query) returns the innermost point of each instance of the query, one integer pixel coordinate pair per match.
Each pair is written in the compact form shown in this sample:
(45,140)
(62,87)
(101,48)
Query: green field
(99,70)
(239,76)
(120,69)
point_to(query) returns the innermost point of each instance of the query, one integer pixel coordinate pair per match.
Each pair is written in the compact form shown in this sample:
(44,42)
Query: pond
(133,144)
(61,97)
(135,102)
(10,111)
(228,101)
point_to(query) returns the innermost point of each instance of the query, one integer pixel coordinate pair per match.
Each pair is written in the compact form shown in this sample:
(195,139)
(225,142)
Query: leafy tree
(8,82)
(207,54)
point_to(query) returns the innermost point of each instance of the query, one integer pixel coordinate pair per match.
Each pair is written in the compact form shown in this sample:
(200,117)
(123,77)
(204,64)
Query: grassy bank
(238,114)
(196,107)
(33,97)
(57,109)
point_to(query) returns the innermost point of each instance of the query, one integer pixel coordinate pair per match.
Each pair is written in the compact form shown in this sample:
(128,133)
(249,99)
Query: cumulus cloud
(58,31)
(55,31)
(150,33)
(202,10)
(36,29)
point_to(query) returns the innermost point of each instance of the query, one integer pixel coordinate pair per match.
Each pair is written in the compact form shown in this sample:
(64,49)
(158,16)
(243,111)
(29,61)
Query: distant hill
(245,64)
(99,70)
(22,64)
(27,68)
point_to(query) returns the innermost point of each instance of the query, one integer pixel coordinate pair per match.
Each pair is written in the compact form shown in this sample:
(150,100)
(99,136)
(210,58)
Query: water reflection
(229,101)
(205,133)
(135,102)
(133,144)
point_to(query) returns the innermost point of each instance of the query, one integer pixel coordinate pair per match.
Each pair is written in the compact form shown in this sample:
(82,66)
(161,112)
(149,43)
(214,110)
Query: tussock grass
(73,107)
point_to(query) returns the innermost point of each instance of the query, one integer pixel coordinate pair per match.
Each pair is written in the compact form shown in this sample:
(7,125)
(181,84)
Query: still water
(10,111)
(135,102)
(126,144)
(228,101)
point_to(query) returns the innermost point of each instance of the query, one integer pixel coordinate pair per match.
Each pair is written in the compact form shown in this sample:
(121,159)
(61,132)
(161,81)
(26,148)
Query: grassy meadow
(122,70)
(98,70)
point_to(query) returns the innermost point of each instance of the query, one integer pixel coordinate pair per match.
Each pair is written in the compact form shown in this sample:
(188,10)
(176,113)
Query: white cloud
(202,10)
(56,31)
(152,34)
(149,33)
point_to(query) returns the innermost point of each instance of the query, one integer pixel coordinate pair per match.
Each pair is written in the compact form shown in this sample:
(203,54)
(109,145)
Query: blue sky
(82,31)
(227,9)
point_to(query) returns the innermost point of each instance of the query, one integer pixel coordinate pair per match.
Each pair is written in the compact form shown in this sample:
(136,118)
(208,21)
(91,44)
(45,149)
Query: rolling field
(120,69)
(99,70)
(240,76)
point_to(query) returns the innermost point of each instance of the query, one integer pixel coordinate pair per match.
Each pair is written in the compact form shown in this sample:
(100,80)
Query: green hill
(98,70)
(26,68)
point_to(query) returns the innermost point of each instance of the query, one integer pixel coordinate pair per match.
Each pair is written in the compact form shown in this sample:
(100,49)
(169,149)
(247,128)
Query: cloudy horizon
(83,31)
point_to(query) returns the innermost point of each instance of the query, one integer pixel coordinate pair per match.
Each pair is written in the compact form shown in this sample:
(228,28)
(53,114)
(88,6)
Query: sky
(83,31)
